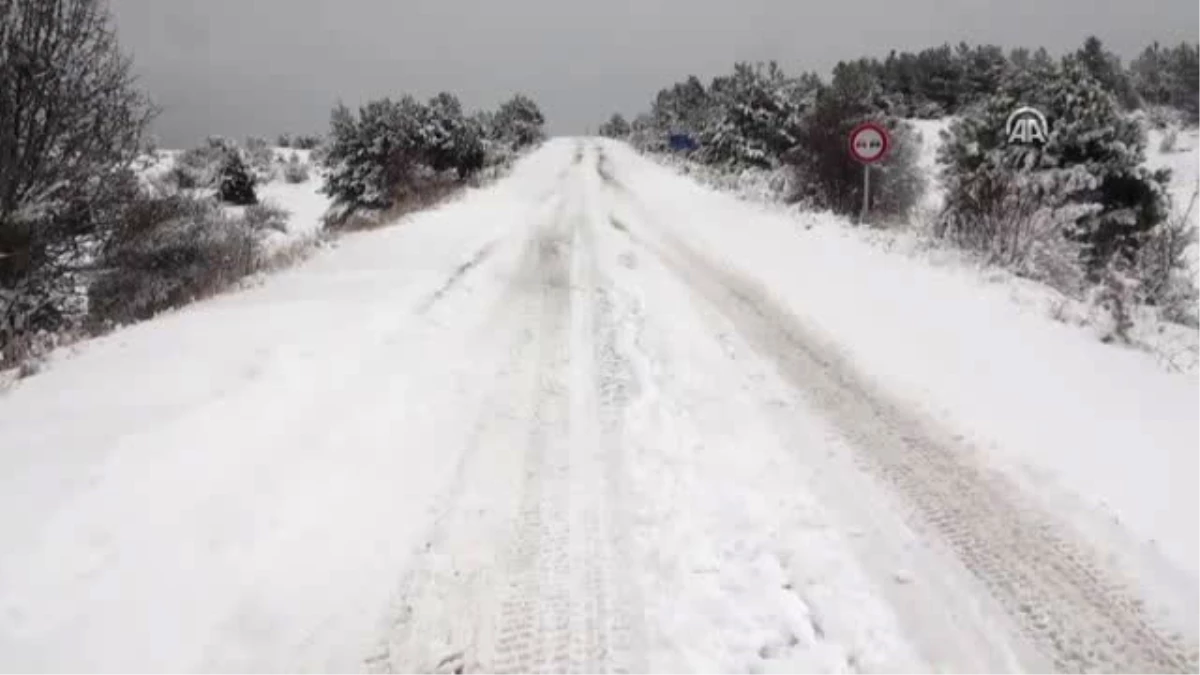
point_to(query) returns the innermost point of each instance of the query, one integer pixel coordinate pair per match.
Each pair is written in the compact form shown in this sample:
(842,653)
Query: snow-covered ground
(598,417)
(929,131)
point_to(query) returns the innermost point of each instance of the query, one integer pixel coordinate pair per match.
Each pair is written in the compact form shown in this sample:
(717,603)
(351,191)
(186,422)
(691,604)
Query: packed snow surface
(596,417)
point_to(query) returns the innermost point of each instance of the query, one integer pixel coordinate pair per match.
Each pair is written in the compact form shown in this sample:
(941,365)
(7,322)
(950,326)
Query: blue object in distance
(682,142)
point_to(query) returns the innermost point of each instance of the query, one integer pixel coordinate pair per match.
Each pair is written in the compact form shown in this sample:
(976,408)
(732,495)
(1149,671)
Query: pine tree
(1105,68)
(615,127)
(757,114)
(519,122)
(1090,167)
(236,184)
(1151,76)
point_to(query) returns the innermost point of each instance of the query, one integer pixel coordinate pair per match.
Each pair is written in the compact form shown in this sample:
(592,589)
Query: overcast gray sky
(239,67)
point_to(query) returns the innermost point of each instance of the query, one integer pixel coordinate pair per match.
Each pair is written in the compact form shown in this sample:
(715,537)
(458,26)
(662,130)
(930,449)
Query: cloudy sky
(239,67)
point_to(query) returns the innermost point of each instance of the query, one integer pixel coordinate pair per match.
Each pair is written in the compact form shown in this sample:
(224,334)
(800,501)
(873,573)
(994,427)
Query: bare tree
(71,122)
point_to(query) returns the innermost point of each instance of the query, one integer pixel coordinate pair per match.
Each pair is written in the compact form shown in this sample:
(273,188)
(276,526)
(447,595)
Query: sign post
(869,143)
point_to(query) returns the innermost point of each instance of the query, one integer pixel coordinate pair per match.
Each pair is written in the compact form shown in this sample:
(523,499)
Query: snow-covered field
(598,417)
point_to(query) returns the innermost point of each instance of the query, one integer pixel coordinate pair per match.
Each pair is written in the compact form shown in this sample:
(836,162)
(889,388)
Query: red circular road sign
(869,142)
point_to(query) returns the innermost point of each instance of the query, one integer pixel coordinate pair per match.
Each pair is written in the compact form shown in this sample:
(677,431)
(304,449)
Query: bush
(373,159)
(261,216)
(261,158)
(1013,223)
(615,127)
(284,140)
(518,123)
(295,170)
(1092,161)
(306,142)
(172,250)
(236,184)
(825,174)
(200,167)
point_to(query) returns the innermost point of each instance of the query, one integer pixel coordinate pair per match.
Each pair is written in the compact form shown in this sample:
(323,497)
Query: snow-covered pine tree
(684,108)
(1085,184)
(758,114)
(518,122)
(236,184)
(615,127)
(1105,68)
(452,141)
(370,154)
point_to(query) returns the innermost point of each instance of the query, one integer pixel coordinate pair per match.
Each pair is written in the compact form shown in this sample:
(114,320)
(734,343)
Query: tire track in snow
(437,624)
(732,586)
(1065,601)
(604,363)
(534,613)
(456,277)
(557,611)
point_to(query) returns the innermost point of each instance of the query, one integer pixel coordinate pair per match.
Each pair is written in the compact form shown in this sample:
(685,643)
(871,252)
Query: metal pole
(862,219)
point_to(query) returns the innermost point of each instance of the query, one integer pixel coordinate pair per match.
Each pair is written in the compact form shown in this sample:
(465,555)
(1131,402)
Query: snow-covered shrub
(261,158)
(615,127)
(306,142)
(171,251)
(266,216)
(754,118)
(1092,160)
(1016,222)
(393,150)
(295,170)
(284,140)
(200,167)
(450,140)
(518,123)
(236,184)
(827,176)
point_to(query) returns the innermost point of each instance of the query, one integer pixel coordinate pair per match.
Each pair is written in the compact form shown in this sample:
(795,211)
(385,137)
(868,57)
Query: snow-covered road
(552,426)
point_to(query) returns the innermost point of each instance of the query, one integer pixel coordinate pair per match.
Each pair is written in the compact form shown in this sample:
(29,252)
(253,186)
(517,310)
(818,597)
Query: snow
(230,491)
(517,432)
(929,132)
(1049,402)
(306,207)
(1184,163)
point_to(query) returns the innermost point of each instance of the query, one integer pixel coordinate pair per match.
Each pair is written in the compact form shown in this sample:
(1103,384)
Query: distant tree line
(393,151)
(1078,211)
